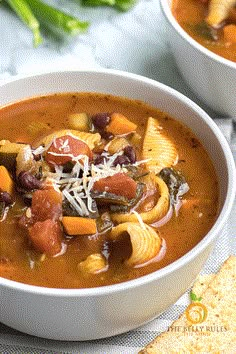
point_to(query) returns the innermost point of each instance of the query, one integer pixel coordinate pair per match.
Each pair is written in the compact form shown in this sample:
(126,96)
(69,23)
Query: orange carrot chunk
(6,182)
(46,236)
(75,225)
(230,33)
(119,184)
(120,125)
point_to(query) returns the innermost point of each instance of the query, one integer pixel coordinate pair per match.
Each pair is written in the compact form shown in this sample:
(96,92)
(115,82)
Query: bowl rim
(189,256)
(166,9)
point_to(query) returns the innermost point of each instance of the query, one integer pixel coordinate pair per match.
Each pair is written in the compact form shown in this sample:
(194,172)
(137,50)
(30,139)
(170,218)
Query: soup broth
(104,255)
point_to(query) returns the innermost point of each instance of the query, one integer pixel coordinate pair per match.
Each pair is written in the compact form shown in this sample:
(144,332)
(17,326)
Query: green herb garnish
(194,297)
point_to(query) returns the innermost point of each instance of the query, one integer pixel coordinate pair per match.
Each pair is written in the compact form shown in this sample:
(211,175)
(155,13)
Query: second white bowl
(211,77)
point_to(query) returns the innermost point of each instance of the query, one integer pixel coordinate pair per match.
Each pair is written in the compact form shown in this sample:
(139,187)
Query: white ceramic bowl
(84,314)
(211,77)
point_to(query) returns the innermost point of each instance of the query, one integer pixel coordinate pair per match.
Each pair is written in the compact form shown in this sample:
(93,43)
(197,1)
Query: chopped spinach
(175,182)
(118,200)
(202,29)
(69,210)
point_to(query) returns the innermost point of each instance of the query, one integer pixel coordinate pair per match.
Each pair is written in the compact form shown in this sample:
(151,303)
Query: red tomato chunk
(46,236)
(46,204)
(65,148)
(119,184)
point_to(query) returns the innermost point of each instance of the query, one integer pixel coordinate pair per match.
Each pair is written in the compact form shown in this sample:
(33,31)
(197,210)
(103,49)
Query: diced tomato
(64,148)
(46,236)
(119,184)
(46,204)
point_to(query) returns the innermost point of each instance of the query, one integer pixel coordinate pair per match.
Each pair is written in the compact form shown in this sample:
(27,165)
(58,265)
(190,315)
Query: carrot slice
(230,33)
(120,125)
(75,225)
(6,182)
(119,184)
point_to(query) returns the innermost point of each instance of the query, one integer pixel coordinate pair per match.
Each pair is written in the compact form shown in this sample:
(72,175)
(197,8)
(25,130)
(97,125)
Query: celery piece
(55,18)
(23,11)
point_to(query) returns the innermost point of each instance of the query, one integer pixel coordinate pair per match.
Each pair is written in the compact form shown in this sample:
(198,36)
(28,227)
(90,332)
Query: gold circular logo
(196,313)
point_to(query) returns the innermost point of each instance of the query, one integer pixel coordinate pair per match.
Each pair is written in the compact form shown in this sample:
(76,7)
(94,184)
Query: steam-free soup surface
(186,223)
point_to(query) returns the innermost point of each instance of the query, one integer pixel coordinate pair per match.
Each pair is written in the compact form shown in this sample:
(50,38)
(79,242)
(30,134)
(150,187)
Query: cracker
(217,333)
(202,283)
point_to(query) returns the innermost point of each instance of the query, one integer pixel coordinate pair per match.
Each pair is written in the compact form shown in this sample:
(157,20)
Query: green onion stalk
(24,12)
(122,5)
(57,19)
(33,11)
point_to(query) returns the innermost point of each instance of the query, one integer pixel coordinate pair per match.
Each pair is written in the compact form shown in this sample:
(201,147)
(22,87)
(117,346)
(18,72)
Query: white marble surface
(134,41)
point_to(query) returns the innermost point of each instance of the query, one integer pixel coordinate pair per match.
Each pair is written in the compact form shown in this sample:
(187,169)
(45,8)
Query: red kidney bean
(6,198)
(121,160)
(28,181)
(101,120)
(130,153)
(27,198)
(99,160)
(106,135)
(37,157)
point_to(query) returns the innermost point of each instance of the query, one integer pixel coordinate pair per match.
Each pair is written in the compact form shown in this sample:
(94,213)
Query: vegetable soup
(97,190)
(212,23)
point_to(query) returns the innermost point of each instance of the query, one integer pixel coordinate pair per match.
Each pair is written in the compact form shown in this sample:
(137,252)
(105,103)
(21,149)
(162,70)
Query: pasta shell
(219,11)
(91,139)
(93,264)
(158,148)
(145,241)
(25,160)
(151,216)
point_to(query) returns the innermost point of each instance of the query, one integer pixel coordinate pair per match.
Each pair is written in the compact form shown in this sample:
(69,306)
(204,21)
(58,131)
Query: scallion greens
(35,12)
(24,12)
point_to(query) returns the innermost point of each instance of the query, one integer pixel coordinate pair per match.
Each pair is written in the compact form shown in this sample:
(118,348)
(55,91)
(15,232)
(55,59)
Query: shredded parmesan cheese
(77,185)
(140,220)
